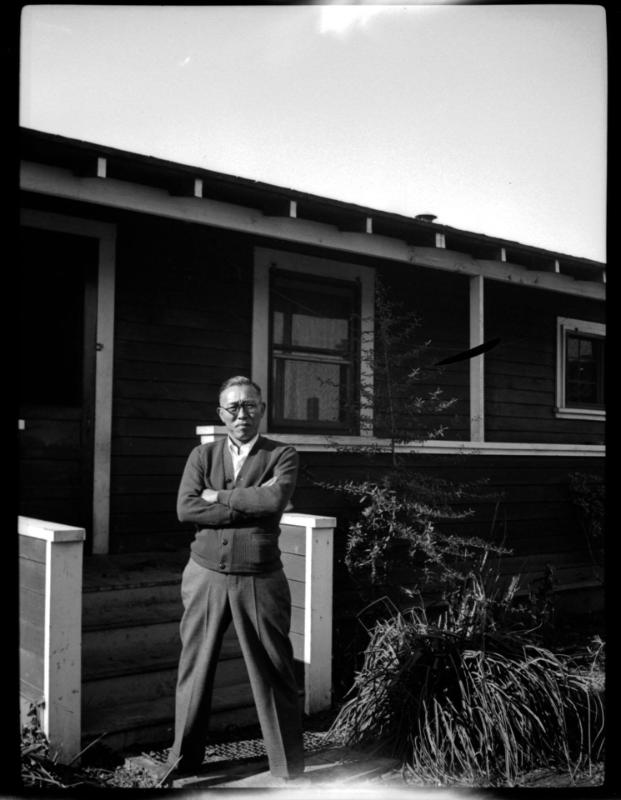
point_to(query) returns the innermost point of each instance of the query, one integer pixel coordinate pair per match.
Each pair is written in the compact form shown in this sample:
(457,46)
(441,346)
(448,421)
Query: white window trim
(264,260)
(323,443)
(477,365)
(105,233)
(563,326)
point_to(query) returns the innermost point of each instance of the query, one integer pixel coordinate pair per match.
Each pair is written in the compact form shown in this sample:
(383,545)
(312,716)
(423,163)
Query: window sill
(315,443)
(581,413)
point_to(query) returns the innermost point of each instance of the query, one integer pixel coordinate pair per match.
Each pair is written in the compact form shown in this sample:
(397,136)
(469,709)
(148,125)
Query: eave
(93,173)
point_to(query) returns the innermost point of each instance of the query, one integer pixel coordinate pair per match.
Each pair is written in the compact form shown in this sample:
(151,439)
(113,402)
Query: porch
(113,674)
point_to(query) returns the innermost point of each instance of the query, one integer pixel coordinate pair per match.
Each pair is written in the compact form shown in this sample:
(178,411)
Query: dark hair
(239,380)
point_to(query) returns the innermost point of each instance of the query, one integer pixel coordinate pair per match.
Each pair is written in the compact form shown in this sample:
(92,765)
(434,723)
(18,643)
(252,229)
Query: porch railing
(306,542)
(50,627)
(50,570)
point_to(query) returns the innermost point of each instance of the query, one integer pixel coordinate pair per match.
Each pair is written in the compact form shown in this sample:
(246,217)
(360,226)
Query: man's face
(243,425)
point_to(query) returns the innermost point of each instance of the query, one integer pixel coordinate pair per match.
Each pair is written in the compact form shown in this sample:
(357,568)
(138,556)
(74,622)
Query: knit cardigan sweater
(239,533)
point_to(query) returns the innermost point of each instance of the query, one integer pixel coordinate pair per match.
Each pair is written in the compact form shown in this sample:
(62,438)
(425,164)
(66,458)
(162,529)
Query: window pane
(325,333)
(309,391)
(313,359)
(584,371)
(279,327)
(582,392)
(573,348)
(307,318)
(586,349)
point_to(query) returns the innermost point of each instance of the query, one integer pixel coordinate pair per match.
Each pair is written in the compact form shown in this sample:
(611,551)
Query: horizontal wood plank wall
(183,324)
(534,518)
(184,306)
(441,302)
(50,480)
(534,511)
(520,373)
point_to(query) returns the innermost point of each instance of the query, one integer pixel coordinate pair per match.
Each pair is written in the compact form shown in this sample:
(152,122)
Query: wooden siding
(183,322)
(520,374)
(441,302)
(534,518)
(534,512)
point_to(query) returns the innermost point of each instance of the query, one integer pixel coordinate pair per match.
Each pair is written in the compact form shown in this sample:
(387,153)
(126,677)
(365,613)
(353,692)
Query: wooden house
(146,283)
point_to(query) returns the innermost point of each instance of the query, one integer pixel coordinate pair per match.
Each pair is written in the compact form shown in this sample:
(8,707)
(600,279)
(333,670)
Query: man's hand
(209,495)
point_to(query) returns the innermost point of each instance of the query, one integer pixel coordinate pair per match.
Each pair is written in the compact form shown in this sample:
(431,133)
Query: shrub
(396,536)
(588,495)
(470,697)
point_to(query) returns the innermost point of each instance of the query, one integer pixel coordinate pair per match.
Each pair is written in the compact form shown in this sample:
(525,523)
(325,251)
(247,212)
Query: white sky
(492,117)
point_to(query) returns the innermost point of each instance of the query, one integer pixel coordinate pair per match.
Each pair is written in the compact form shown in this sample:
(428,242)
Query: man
(234,491)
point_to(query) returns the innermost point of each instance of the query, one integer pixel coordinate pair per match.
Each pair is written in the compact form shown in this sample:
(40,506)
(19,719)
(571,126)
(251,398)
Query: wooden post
(477,366)
(60,549)
(211,433)
(316,651)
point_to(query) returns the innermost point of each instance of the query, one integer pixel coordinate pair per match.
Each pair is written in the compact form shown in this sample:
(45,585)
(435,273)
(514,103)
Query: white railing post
(317,547)
(58,552)
(210,433)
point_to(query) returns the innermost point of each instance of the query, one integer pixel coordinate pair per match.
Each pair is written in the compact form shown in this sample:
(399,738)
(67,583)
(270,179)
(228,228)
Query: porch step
(148,647)
(152,723)
(130,607)
(150,684)
(132,569)
(130,650)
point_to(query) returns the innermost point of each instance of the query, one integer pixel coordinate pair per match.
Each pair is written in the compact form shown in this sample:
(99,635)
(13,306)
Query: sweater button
(221,565)
(225,542)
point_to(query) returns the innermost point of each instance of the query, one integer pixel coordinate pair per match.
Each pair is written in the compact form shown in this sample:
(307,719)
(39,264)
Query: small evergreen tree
(397,541)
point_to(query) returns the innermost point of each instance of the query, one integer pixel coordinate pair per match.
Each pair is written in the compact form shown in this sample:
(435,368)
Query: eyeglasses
(250,408)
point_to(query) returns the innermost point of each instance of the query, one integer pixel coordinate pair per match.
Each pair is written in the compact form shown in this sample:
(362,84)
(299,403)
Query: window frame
(567,326)
(298,353)
(324,270)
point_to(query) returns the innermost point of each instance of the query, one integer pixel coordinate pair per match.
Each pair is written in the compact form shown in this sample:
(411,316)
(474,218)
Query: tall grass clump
(466,698)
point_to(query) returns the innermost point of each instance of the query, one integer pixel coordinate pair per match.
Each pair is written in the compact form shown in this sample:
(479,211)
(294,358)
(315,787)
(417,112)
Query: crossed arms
(199,503)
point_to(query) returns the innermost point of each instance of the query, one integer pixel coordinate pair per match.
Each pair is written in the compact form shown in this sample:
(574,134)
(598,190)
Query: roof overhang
(90,173)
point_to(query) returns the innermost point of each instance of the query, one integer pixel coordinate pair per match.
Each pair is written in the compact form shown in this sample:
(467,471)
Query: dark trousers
(260,607)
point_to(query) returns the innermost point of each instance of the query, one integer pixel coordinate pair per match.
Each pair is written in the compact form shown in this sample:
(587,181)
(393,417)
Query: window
(314,345)
(312,338)
(580,372)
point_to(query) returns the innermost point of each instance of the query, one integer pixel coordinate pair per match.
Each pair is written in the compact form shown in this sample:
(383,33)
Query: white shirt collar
(241,449)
